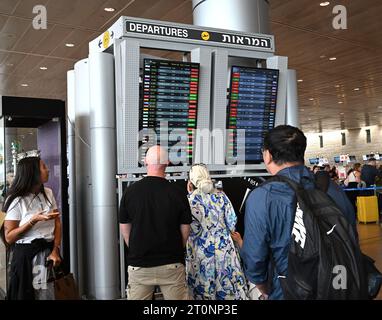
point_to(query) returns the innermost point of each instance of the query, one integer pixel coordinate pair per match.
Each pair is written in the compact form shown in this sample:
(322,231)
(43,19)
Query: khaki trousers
(171,279)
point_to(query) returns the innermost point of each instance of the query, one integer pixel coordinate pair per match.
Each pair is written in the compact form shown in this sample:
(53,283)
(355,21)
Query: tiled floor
(370,237)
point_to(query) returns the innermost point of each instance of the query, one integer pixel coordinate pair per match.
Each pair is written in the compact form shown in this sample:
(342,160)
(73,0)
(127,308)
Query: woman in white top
(32,224)
(355,174)
(352,181)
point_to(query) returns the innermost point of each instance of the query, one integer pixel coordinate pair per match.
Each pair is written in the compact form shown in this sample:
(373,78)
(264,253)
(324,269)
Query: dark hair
(349,171)
(285,144)
(28,176)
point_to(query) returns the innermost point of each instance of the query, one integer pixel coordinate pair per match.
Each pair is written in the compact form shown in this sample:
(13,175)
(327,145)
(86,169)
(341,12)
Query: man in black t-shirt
(155,219)
(369,172)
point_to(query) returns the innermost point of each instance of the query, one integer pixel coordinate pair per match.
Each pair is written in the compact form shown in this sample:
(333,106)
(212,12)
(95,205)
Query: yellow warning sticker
(205,35)
(106,39)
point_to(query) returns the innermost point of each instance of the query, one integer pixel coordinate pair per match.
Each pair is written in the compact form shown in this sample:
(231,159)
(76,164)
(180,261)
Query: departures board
(168,111)
(251,108)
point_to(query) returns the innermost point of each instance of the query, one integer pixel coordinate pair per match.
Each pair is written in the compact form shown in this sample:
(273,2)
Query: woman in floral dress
(212,264)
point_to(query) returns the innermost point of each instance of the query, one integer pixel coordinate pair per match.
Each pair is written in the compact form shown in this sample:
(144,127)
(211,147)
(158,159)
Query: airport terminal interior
(90,85)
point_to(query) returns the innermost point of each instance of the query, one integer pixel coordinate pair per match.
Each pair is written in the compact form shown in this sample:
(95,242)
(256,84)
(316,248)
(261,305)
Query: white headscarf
(201,179)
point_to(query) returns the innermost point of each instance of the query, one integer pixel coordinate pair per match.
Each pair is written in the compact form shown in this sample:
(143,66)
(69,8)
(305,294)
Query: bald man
(155,219)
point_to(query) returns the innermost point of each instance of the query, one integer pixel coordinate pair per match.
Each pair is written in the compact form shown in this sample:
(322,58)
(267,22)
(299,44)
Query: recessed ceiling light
(341,113)
(109,9)
(323,56)
(324,4)
(24,85)
(302,109)
(309,119)
(311,99)
(340,102)
(332,58)
(337,85)
(43,68)
(356,89)
(300,80)
(70,45)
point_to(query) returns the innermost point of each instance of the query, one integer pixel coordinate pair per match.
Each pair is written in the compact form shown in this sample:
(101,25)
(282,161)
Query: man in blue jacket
(270,210)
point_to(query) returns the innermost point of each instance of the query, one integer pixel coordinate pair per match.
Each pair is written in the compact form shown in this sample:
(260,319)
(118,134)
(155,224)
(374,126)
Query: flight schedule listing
(170,102)
(251,108)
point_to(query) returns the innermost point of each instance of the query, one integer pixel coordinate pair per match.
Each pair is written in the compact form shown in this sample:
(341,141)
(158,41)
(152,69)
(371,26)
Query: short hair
(286,144)
(371,160)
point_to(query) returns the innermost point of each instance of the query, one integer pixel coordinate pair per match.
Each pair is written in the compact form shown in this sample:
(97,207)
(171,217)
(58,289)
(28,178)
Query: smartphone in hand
(53,213)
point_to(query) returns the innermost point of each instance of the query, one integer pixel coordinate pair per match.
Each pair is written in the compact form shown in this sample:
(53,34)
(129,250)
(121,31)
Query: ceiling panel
(24,8)
(57,35)
(8,6)
(32,38)
(74,12)
(12,31)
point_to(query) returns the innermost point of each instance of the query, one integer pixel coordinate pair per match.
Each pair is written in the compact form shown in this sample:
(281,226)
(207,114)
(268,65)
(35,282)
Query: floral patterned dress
(213,266)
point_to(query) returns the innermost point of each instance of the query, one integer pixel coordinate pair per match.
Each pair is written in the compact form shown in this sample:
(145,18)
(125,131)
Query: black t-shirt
(155,208)
(368,174)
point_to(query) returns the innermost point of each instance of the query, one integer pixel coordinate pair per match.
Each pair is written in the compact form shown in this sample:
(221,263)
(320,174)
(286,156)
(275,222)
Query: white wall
(355,143)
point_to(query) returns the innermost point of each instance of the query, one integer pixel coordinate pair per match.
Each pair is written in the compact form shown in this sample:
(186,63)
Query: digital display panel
(168,112)
(251,112)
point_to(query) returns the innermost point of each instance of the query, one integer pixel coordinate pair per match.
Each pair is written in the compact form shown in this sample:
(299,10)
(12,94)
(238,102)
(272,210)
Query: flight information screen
(168,114)
(251,112)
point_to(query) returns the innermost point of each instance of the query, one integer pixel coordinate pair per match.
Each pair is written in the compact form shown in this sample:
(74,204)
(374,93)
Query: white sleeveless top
(352,177)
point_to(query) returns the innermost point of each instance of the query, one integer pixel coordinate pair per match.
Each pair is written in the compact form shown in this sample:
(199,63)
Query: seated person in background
(213,266)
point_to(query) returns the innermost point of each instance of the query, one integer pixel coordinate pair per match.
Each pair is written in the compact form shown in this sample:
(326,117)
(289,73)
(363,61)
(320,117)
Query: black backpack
(324,261)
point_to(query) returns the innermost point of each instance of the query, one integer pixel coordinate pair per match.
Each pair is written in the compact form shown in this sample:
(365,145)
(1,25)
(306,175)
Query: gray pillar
(84,217)
(280,63)
(292,99)
(71,156)
(240,15)
(103,163)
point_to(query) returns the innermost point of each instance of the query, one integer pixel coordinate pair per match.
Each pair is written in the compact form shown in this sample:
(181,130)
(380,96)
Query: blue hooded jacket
(269,216)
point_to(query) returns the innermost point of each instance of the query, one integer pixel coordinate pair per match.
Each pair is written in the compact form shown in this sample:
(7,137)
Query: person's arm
(185,232)
(185,216)
(255,250)
(13,231)
(125,229)
(229,215)
(236,237)
(55,254)
(357,175)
